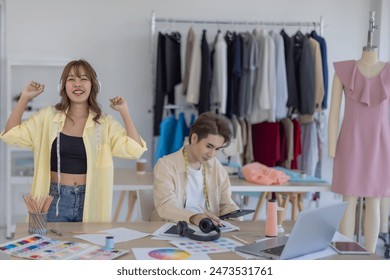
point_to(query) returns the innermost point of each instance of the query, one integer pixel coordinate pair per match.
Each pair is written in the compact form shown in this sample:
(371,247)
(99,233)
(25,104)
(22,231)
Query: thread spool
(109,243)
(271,227)
(280,214)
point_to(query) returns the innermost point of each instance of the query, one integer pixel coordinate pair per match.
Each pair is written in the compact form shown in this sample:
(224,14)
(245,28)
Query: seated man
(191,184)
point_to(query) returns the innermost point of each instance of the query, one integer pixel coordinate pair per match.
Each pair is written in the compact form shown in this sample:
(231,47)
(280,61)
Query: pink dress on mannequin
(361,166)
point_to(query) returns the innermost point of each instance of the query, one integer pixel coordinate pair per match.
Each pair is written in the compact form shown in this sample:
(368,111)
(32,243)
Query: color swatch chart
(164,253)
(101,254)
(40,247)
(222,244)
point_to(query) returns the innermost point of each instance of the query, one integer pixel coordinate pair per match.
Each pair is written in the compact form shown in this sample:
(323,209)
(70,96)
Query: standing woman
(191,184)
(74,144)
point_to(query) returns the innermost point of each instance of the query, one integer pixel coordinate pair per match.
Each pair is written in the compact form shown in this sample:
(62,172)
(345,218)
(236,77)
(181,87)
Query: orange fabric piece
(258,173)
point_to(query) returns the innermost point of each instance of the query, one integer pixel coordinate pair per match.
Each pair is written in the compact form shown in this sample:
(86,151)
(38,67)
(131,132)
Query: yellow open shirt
(38,133)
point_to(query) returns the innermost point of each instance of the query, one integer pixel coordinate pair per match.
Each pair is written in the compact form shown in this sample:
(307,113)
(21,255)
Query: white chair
(145,204)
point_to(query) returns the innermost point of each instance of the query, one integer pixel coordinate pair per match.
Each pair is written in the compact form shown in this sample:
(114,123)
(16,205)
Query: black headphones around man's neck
(205,225)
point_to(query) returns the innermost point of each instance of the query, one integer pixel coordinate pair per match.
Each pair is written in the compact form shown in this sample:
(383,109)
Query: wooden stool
(259,206)
(131,203)
(296,199)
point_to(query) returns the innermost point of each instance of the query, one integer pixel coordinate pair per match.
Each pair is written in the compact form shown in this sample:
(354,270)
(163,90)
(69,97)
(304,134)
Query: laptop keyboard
(275,250)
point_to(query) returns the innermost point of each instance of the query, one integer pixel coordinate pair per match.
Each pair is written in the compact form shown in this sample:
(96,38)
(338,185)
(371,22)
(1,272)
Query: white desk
(127,180)
(249,232)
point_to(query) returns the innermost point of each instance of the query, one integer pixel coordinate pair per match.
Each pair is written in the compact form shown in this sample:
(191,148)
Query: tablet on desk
(236,214)
(349,247)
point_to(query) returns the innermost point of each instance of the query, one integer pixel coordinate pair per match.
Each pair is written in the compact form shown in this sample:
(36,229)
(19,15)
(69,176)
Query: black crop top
(72,155)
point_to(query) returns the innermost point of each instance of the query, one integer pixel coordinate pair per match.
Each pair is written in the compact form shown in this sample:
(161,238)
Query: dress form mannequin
(369,66)
(385,208)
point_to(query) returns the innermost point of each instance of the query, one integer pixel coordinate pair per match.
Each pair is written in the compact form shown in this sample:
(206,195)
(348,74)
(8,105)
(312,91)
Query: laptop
(313,231)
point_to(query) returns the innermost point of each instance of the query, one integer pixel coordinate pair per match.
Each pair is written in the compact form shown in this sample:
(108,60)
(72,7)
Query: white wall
(115,37)
(384,30)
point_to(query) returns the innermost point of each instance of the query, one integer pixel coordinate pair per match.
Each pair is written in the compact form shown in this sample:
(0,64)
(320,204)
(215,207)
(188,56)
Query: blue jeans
(71,204)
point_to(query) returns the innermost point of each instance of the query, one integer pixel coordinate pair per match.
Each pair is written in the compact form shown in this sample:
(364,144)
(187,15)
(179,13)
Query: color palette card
(166,254)
(26,244)
(101,254)
(40,247)
(222,244)
(63,250)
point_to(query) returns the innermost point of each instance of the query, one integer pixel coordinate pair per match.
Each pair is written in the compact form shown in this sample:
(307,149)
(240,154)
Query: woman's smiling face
(78,86)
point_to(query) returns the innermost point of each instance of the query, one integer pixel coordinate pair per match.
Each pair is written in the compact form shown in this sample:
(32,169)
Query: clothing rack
(179,106)
(155,20)
(320,24)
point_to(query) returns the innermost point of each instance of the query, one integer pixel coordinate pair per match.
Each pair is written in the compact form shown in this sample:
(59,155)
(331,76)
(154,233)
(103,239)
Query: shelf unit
(19,166)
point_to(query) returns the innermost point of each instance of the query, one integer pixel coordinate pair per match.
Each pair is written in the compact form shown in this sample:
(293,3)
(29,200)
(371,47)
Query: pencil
(239,239)
(56,232)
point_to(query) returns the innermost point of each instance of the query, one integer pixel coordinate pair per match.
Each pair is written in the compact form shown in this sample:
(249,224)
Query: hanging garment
(362,161)
(318,81)
(238,139)
(263,104)
(292,101)
(218,94)
(289,131)
(281,93)
(297,144)
(307,161)
(320,121)
(192,68)
(233,43)
(266,143)
(249,146)
(168,74)
(181,131)
(250,62)
(205,77)
(244,133)
(304,74)
(166,138)
(324,58)
(283,144)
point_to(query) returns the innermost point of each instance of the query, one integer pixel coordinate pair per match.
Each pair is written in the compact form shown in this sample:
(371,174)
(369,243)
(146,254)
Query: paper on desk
(223,244)
(228,227)
(164,233)
(169,253)
(120,235)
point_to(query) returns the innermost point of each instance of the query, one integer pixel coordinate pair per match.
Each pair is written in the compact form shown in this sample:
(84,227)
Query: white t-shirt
(195,199)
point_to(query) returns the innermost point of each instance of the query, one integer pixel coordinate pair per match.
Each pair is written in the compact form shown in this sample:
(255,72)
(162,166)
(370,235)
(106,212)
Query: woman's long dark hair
(79,66)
